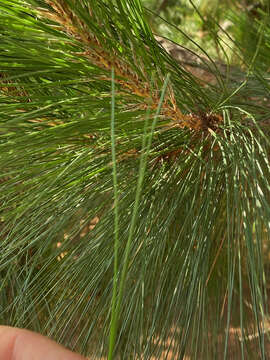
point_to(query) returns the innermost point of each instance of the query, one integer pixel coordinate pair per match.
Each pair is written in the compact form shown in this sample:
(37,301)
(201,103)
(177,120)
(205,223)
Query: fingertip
(7,340)
(21,344)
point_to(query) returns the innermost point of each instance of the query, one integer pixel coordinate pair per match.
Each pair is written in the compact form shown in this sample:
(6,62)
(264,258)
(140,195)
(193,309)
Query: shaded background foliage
(195,161)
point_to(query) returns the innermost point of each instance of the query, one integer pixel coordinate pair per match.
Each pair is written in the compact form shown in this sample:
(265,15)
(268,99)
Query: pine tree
(134,203)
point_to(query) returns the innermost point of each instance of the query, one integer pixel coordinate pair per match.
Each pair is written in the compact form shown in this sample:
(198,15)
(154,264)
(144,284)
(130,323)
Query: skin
(20,344)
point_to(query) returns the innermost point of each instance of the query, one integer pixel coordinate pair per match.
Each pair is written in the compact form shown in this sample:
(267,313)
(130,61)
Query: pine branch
(127,79)
(194,263)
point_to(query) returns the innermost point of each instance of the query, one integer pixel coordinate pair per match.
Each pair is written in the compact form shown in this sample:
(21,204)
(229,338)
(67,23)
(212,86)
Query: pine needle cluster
(134,202)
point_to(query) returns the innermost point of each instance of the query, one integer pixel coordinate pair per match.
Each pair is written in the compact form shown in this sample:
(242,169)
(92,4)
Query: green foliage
(134,203)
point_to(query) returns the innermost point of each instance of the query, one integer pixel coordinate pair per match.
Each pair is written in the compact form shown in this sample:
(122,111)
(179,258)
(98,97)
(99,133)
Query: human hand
(20,344)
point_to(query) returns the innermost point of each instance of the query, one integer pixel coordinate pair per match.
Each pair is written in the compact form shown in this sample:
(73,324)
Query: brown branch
(125,76)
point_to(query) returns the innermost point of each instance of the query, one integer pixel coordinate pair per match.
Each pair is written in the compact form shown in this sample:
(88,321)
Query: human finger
(21,344)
